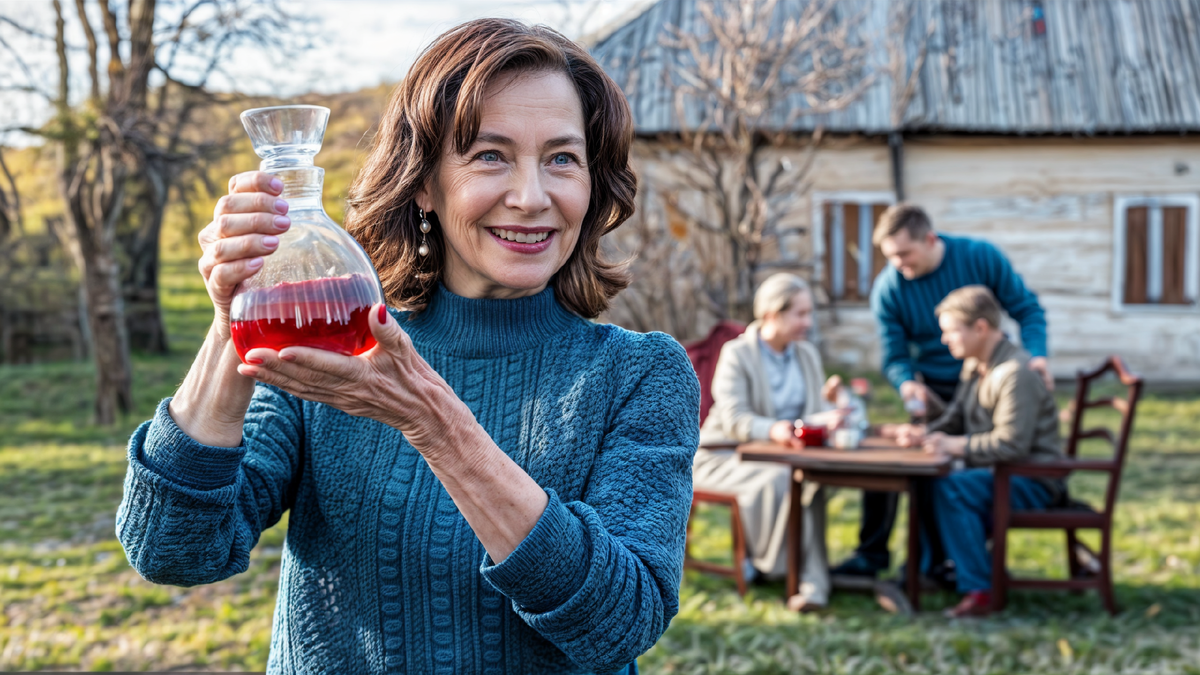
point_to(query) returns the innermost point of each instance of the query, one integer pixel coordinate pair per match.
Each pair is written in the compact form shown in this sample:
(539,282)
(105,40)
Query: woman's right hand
(245,227)
(783,432)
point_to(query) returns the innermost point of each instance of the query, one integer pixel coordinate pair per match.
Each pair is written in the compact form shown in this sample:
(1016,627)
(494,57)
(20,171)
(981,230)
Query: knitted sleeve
(191,513)
(599,578)
(897,360)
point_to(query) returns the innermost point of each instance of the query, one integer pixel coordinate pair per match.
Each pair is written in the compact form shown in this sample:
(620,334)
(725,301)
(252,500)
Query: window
(844,223)
(1157,254)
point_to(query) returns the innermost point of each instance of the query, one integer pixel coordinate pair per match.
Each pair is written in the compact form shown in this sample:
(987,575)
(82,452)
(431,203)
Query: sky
(359,43)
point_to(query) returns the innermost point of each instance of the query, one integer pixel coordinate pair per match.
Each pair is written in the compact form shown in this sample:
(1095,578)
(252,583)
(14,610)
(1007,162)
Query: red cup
(813,437)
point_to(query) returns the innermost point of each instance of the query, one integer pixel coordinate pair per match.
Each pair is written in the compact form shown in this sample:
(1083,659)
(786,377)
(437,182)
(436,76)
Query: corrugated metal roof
(1104,66)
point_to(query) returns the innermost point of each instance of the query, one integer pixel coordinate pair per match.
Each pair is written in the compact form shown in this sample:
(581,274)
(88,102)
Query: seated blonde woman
(765,380)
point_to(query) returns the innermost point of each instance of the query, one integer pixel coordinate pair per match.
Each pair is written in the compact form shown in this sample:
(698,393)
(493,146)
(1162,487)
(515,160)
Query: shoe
(857,566)
(975,603)
(892,599)
(803,604)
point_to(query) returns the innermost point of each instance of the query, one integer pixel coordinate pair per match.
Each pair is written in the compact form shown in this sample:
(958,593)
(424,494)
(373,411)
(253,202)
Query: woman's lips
(523,247)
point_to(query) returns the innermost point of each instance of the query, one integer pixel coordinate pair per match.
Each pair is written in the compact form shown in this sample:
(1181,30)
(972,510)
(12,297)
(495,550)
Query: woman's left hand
(389,383)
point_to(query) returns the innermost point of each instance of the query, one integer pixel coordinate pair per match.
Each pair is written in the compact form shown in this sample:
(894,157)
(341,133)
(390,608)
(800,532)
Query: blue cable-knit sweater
(908,328)
(380,572)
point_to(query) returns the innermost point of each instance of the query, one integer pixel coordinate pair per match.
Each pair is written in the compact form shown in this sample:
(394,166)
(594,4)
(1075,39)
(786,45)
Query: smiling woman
(499,485)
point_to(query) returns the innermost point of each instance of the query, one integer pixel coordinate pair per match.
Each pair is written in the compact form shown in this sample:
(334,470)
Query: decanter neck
(301,185)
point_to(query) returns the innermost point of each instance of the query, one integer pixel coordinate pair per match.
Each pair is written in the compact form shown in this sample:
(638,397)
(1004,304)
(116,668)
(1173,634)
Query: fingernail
(288,357)
(281,206)
(282,223)
(270,241)
(383,314)
(255,263)
(276,185)
(254,362)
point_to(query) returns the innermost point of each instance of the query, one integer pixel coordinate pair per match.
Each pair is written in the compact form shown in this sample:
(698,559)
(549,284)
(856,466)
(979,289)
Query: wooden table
(879,464)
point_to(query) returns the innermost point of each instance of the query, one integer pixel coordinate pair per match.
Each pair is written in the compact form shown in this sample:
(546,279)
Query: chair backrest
(703,354)
(1126,406)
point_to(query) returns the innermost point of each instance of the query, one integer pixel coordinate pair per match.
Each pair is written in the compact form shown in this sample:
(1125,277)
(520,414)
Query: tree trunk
(139,240)
(92,210)
(110,344)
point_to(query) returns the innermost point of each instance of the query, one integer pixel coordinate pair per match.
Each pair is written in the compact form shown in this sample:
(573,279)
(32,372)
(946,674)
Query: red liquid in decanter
(330,314)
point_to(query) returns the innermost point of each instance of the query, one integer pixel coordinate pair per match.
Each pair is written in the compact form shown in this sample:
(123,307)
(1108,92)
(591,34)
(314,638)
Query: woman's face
(793,323)
(512,206)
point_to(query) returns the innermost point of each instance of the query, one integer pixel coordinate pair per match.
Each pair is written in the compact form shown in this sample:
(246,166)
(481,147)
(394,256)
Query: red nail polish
(383,314)
(254,362)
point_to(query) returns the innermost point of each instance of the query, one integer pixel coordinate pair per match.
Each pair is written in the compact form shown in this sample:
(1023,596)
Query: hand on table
(783,432)
(909,435)
(938,443)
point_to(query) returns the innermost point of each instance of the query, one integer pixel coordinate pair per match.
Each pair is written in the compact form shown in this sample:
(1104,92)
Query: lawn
(71,602)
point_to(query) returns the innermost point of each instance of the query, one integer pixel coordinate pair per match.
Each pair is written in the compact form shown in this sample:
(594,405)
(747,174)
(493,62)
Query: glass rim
(299,106)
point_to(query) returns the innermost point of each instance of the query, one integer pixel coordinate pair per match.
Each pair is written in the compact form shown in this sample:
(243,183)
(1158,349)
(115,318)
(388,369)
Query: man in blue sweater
(924,268)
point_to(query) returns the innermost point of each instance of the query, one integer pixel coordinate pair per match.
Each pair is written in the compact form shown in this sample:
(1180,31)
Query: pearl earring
(425,227)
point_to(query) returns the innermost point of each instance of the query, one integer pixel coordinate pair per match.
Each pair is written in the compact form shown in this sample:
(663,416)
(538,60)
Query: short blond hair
(970,304)
(902,217)
(776,294)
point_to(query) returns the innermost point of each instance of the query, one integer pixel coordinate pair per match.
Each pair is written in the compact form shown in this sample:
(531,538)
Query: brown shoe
(975,603)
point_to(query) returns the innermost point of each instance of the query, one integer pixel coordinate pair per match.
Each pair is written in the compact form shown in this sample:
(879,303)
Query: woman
(766,379)
(500,485)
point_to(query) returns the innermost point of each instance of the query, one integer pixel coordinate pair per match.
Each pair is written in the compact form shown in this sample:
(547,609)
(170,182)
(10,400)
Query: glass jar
(317,288)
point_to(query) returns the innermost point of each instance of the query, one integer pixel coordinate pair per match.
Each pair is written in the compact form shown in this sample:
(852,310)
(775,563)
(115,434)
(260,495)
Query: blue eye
(563,158)
(489,156)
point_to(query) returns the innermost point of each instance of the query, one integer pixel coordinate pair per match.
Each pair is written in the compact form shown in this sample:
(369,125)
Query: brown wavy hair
(442,99)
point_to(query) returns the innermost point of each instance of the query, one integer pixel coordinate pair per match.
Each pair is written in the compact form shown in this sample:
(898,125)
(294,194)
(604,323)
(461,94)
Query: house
(1064,132)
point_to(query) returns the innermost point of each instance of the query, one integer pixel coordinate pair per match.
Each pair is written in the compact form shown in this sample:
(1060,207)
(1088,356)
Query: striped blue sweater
(908,329)
(381,573)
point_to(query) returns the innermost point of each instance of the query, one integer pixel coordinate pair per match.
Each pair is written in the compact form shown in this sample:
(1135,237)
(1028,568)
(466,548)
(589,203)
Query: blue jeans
(963,504)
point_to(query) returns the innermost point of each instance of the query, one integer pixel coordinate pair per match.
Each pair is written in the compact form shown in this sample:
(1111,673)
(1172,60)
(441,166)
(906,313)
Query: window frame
(1191,261)
(819,199)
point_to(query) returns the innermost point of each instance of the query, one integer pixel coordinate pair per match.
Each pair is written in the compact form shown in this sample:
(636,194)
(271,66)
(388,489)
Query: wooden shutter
(850,251)
(827,263)
(1174,220)
(1136,253)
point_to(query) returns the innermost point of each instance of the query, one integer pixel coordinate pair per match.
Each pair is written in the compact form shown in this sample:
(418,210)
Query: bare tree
(120,151)
(742,78)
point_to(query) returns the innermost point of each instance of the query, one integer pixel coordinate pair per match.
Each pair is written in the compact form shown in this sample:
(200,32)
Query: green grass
(70,600)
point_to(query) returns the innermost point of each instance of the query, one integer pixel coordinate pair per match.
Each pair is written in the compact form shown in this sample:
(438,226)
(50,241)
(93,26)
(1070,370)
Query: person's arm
(1014,421)
(897,362)
(731,399)
(1016,298)
(599,578)
(951,420)
(191,512)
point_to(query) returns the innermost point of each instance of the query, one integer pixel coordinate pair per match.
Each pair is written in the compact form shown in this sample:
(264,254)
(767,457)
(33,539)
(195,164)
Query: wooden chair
(703,355)
(1077,516)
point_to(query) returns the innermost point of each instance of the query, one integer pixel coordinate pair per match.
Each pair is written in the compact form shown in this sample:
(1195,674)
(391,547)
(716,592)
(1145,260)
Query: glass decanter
(317,288)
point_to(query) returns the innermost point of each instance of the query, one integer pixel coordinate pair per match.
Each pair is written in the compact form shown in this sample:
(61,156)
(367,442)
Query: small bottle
(317,288)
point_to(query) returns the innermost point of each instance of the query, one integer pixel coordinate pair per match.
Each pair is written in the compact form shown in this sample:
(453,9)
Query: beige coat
(743,410)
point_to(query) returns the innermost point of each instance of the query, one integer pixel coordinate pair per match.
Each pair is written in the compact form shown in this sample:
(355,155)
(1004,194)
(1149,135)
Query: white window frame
(819,199)
(1191,262)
